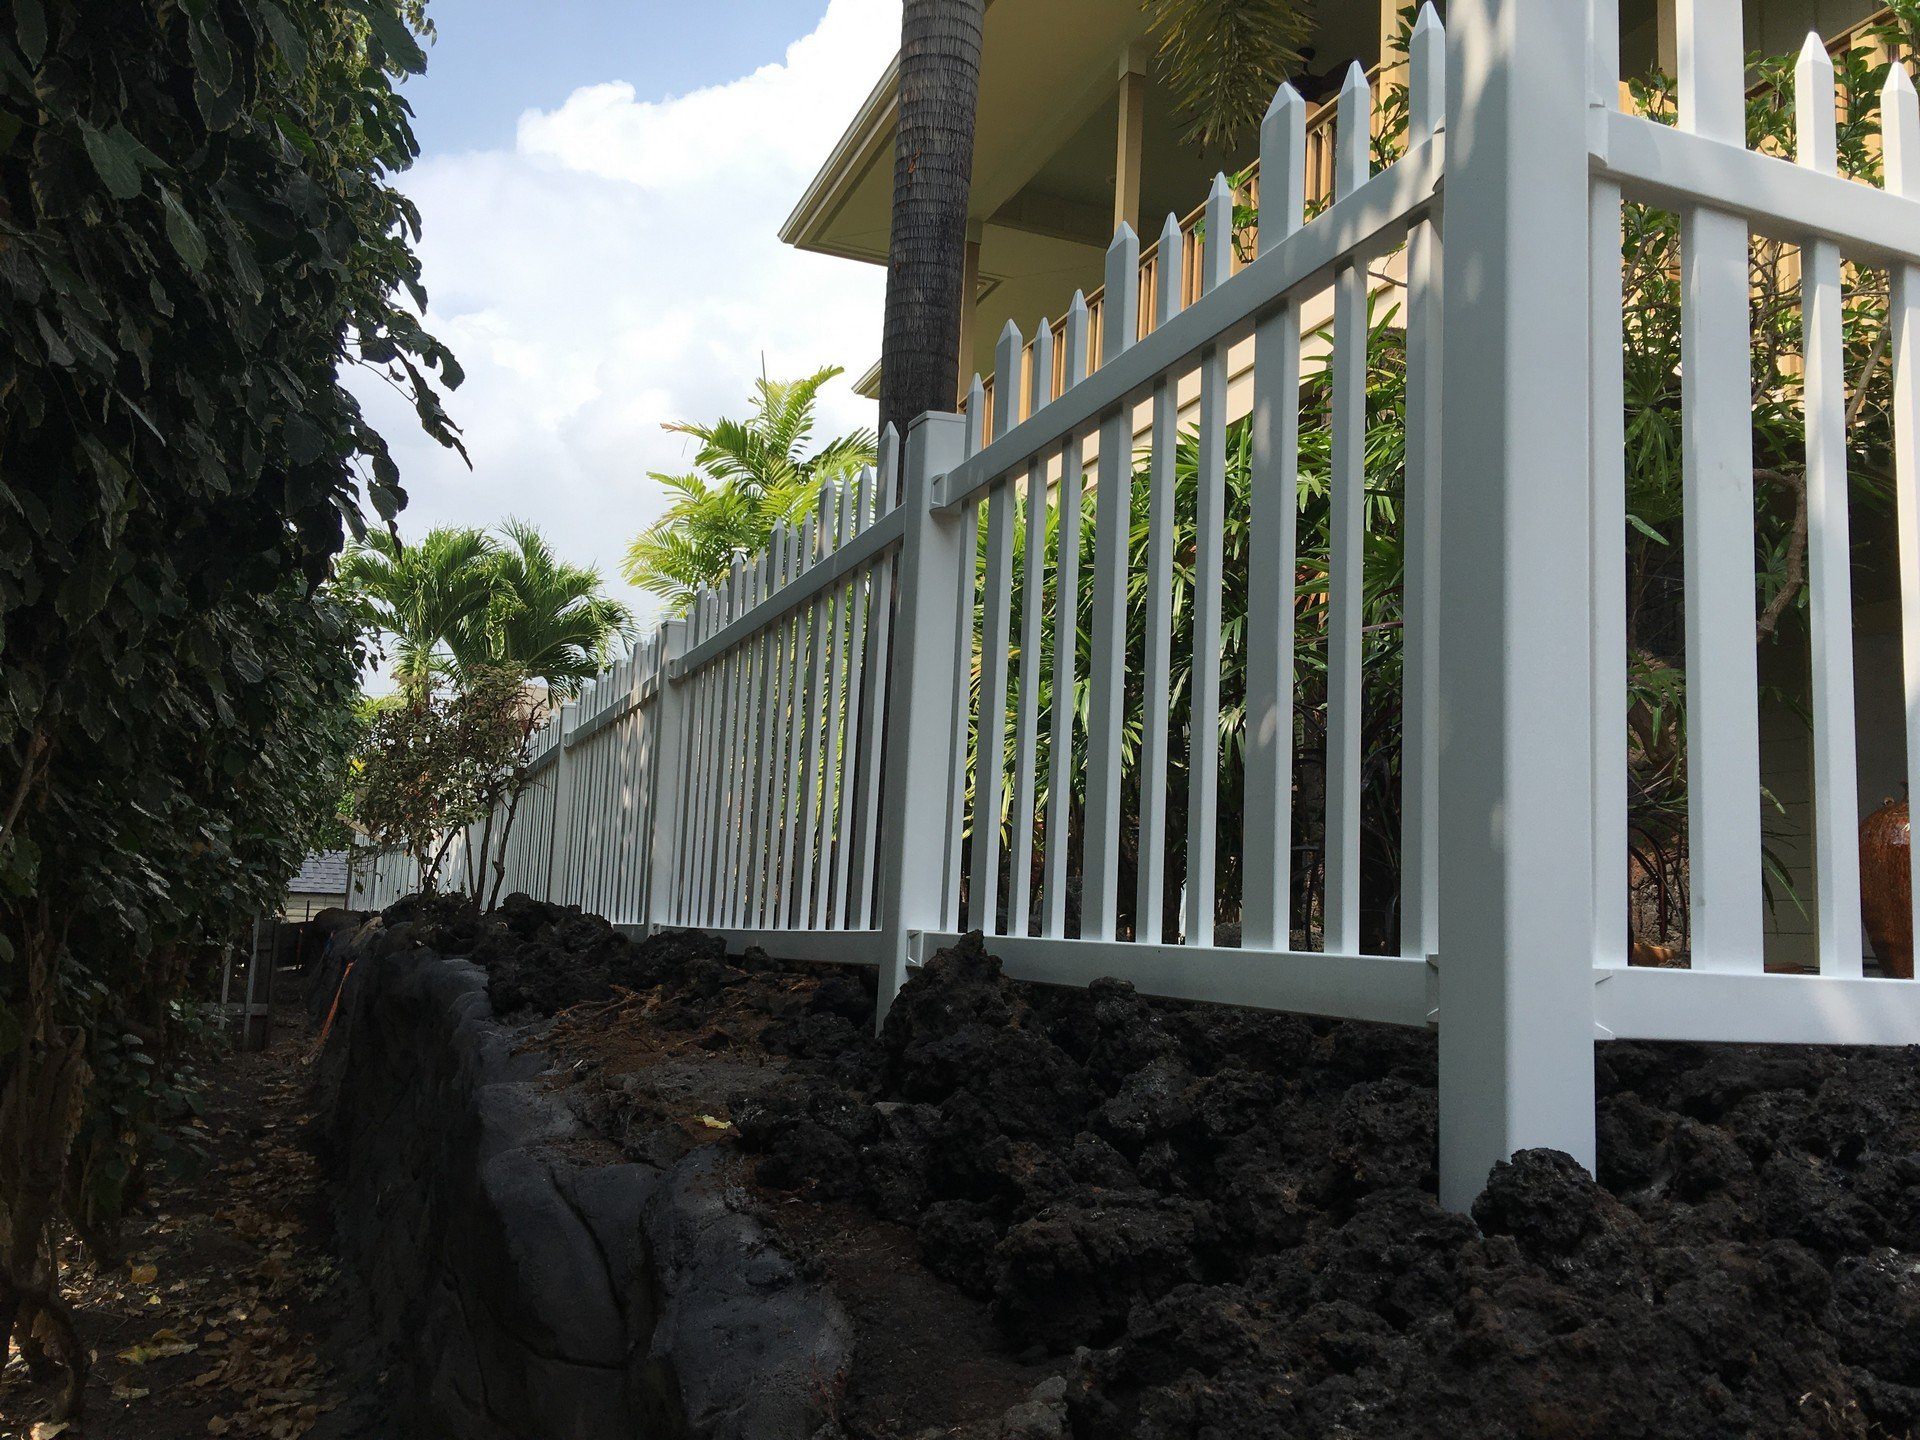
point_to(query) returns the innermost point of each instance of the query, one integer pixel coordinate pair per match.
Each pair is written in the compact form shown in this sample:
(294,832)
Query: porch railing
(1182,235)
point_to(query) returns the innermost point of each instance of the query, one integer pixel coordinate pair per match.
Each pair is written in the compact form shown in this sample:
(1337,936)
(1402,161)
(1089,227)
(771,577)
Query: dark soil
(1222,1223)
(231,1317)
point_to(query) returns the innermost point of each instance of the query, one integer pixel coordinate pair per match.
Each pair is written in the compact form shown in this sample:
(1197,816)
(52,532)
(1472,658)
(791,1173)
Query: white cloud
(620,267)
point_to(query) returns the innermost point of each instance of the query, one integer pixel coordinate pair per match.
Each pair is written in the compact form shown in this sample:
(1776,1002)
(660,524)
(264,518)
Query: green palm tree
(420,595)
(546,619)
(748,476)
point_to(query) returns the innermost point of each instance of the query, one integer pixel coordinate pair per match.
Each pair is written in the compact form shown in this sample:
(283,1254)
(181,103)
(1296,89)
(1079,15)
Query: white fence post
(561,826)
(1517,905)
(669,719)
(917,787)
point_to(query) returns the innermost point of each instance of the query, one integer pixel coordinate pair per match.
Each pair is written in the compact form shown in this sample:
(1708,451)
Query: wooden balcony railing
(1321,137)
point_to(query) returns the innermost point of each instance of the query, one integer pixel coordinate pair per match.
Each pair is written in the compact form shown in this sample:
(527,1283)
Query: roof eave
(871,126)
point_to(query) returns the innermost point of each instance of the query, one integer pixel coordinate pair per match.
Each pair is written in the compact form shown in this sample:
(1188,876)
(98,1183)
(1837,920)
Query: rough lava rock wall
(536,1296)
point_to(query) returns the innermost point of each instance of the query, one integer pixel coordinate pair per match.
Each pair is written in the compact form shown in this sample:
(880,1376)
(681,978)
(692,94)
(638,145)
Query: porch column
(1130,138)
(1667,32)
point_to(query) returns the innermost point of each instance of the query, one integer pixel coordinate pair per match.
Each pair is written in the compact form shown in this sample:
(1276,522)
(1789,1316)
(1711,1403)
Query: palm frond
(1223,59)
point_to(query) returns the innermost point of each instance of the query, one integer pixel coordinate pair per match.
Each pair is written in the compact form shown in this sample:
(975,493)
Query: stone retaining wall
(531,1293)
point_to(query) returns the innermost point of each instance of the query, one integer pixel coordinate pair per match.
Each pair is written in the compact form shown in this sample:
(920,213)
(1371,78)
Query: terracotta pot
(1886,887)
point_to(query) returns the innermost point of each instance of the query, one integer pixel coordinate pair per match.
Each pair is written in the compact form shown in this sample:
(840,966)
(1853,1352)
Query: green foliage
(435,764)
(461,601)
(198,230)
(749,475)
(419,595)
(1225,58)
(546,619)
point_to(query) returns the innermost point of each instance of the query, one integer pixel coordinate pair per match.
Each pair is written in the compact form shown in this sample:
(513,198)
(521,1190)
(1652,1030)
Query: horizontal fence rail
(1142,677)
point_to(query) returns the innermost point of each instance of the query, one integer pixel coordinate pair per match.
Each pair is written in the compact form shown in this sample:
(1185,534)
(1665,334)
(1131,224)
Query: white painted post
(559,868)
(1209,535)
(1420,525)
(917,856)
(1346,539)
(1900,111)
(1716,361)
(1608,498)
(1516,829)
(1106,686)
(668,804)
(1836,792)
(1274,506)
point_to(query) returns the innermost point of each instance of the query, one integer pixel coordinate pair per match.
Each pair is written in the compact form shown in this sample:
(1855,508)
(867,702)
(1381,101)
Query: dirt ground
(230,1318)
(1202,1222)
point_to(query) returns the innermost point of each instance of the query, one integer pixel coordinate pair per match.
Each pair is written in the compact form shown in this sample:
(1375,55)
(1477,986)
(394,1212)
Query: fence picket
(1033,606)
(1346,540)
(1836,795)
(839,602)
(991,723)
(1066,613)
(859,601)
(815,720)
(1273,522)
(886,497)
(1112,524)
(1606,413)
(1901,115)
(1723,688)
(1420,528)
(1149,920)
(1210,506)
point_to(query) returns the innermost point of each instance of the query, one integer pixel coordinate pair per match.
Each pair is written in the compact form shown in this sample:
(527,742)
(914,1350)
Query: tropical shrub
(198,231)
(748,476)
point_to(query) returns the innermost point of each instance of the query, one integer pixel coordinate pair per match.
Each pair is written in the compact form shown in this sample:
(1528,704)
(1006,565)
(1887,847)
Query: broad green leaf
(30,26)
(394,36)
(115,157)
(288,38)
(185,235)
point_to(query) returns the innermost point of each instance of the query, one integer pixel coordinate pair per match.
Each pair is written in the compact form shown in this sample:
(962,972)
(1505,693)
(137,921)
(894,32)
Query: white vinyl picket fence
(838,754)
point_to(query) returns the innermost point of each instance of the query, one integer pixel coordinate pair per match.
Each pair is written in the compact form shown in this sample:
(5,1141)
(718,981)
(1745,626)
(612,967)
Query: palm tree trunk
(932,169)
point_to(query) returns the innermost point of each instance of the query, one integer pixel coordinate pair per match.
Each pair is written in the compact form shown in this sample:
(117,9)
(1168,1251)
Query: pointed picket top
(1427,84)
(1040,378)
(859,498)
(1078,324)
(1006,380)
(1353,134)
(1814,116)
(1283,167)
(824,508)
(1900,117)
(888,483)
(1216,259)
(1167,270)
(976,414)
(1121,325)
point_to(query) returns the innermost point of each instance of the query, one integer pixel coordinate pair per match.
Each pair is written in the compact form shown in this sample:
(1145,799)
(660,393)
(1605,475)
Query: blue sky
(601,189)
(497,58)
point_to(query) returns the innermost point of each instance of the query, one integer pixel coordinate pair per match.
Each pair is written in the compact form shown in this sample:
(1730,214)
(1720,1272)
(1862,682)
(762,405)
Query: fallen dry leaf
(144,1274)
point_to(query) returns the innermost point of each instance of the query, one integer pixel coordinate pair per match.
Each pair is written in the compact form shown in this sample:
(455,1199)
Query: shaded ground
(1222,1223)
(230,1319)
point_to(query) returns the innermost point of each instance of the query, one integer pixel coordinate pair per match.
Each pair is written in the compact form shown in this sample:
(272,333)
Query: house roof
(321,874)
